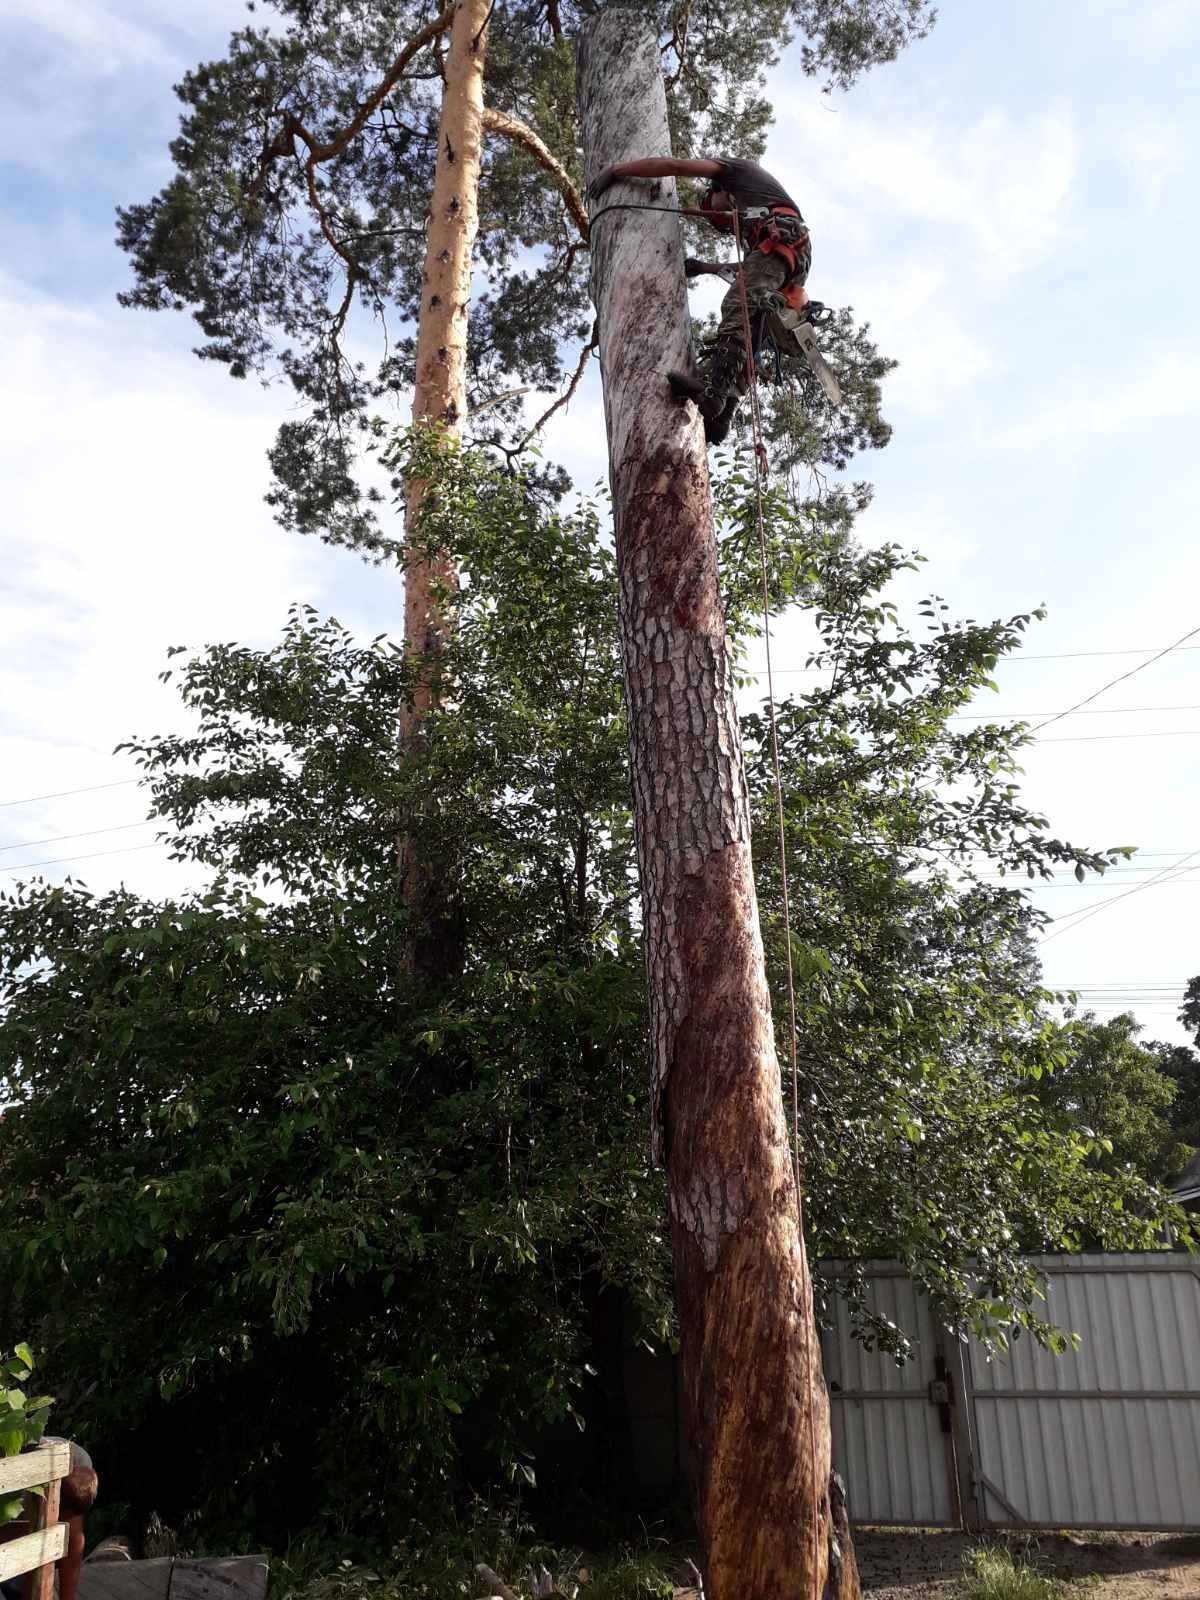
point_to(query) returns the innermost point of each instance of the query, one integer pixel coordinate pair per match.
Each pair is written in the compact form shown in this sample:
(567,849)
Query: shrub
(991,1573)
(22,1420)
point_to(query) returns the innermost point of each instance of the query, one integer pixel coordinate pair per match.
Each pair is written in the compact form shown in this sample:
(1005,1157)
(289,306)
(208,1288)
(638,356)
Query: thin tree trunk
(440,400)
(755,1400)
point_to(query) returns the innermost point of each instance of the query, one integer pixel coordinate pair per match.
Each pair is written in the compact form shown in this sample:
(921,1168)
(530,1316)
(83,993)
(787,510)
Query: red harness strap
(767,236)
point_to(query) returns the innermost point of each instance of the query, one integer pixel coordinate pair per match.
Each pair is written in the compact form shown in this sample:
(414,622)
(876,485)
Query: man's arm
(653,167)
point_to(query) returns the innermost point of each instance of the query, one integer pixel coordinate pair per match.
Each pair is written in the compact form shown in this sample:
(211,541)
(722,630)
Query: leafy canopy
(270,1196)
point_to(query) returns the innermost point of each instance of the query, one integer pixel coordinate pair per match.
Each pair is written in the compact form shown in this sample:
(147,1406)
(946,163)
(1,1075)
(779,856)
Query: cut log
(495,1583)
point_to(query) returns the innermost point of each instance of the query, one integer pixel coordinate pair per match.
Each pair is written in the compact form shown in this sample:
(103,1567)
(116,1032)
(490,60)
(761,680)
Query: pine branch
(520,133)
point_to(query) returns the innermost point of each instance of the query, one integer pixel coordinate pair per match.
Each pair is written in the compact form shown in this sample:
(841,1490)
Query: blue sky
(1011,206)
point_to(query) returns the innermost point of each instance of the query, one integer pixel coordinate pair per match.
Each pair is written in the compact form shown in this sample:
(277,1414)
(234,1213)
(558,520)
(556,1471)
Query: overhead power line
(1020,716)
(1133,983)
(1112,683)
(1094,738)
(1091,883)
(1013,660)
(62,794)
(1077,918)
(88,833)
(58,861)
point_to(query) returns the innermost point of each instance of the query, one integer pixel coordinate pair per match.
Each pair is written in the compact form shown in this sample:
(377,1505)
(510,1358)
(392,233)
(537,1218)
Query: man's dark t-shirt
(751,185)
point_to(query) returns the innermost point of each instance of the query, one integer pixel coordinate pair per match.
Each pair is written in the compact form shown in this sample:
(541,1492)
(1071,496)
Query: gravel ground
(926,1564)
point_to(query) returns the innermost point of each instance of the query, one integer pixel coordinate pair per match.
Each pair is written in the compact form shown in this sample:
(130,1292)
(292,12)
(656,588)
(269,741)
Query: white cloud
(1162,24)
(1142,383)
(133,519)
(1000,187)
(1153,153)
(96,39)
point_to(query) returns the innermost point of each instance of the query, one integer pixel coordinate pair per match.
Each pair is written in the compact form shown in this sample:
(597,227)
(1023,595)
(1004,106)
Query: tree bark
(755,1400)
(439,400)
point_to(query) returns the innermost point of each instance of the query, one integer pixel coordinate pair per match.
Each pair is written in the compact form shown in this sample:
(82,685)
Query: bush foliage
(267,1200)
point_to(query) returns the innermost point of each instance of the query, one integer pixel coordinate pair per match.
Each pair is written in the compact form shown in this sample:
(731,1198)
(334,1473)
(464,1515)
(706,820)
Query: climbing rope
(760,470)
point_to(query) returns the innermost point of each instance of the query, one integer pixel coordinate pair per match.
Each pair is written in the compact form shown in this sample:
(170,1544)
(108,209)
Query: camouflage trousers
(765,275)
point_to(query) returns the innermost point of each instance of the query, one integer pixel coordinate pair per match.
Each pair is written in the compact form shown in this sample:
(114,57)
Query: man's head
(718,208)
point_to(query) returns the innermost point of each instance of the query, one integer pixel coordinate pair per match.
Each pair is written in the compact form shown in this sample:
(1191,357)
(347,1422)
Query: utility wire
(58,861)
(57,838)
(1061,655)
(1112,683)
(1129,983)
(1005,661)
(62,794)
(1094,738)
(1077,918)
(1020,716)
(1002,883)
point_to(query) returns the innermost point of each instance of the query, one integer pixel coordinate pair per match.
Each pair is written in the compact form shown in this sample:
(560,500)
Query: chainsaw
(798,322)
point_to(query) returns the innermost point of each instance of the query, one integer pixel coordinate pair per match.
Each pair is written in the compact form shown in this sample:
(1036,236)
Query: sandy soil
(924,1564)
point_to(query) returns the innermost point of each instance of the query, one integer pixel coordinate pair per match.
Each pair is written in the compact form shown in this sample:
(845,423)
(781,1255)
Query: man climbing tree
(308,161)
(742,198)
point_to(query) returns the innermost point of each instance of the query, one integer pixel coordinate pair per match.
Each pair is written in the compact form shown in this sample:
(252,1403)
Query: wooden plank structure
(227,1578)
(39,1551)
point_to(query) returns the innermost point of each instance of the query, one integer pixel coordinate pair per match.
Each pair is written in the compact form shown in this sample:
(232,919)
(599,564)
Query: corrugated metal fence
(1104,1436)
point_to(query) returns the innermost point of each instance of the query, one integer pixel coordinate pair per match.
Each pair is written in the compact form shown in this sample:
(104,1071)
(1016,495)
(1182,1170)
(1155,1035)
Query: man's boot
(714,388)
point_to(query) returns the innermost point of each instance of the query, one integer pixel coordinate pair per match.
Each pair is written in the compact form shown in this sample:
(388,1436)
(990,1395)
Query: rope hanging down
(759,474)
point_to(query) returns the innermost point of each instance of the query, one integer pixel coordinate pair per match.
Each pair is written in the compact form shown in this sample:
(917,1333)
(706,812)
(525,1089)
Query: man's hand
(605,181)
(652,167)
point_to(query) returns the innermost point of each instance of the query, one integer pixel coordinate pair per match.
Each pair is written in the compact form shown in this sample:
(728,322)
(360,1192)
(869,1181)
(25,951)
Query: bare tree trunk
(440,400)
(755,1399)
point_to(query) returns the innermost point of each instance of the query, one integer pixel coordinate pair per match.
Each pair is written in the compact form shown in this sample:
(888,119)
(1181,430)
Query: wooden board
(227,1578)
(49,1461)
(32,1550)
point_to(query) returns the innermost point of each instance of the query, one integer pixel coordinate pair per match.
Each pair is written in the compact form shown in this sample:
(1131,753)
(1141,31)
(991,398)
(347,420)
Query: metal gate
(1105,1436)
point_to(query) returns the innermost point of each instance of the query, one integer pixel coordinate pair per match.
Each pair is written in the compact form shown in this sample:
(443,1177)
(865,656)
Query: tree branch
(293,128)
(566,397)
(520,133)
(335,146)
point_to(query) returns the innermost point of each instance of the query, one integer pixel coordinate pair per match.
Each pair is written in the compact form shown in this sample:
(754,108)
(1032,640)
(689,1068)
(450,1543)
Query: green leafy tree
(1181,1064)
(1111,1082)
(274,1199)
(23,1419)
(1189,1011)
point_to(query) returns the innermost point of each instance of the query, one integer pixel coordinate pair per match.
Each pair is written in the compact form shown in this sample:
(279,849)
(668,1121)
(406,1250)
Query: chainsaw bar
(817,364)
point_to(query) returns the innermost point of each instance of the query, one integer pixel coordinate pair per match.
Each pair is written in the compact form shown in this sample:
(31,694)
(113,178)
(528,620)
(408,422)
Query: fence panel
(889,1441)
(1108,1435)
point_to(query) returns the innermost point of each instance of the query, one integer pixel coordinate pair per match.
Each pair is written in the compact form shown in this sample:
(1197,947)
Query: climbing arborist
(778,254)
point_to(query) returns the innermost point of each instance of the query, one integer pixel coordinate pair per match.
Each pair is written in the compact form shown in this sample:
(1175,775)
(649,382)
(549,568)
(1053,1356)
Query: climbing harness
(793,1031)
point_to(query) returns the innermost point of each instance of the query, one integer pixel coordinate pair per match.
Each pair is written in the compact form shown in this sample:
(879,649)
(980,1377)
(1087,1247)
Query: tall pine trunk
(755,1400)
(440,400)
